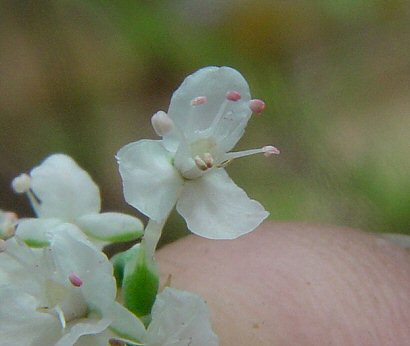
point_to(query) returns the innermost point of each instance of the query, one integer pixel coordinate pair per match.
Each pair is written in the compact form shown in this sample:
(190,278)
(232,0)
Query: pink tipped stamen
(270,150)
(209,160)
(257,106)
(267,150)
(233,95)
(75,280)
(200,163)
(200,100)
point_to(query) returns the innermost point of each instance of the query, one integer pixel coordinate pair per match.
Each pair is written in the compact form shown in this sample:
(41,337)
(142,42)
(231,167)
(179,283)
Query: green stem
(152,234)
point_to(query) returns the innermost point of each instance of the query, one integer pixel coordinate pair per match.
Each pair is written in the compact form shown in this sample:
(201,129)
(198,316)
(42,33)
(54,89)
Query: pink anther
(75,280)
(200,100)
(257,106)
(270,150)
(233,95)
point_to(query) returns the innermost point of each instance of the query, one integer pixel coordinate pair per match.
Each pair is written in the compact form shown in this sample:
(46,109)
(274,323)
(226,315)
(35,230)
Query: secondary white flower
(180,318)
(65,297)
(206,118)
(60,191)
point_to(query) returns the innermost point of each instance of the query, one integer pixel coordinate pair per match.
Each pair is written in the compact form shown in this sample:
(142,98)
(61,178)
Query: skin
(297,284)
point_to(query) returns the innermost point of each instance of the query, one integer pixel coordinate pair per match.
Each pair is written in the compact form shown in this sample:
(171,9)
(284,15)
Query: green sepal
(119,260)
(140,283)
(36,243)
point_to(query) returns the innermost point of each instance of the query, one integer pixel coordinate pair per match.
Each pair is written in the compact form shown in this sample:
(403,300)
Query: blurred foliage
(84,77)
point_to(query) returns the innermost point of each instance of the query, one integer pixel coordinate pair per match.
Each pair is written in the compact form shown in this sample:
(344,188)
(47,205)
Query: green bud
(140,281)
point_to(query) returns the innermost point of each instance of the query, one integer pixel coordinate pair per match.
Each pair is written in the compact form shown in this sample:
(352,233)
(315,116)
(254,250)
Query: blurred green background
(84,77)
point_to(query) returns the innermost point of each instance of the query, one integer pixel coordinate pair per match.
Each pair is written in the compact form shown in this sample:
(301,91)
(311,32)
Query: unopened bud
(162,123)
(233,95)
(21,183)
(257,106)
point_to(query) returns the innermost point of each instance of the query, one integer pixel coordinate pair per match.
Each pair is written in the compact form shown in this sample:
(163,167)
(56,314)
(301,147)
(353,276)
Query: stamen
(75,280)
(257,106)
(270,150)
(60,314)
(266,150)
(115,342)
(21,183)
(209,160)
(233,95)
(200,100)
(162,123)
(200,163)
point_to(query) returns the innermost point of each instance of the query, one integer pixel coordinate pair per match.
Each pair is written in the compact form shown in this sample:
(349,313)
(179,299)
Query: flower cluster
(57,287)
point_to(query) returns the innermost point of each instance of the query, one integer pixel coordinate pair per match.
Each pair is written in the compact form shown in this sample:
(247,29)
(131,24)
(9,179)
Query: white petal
(34,232)
(214,207)
(65,190)
(73,254)
(151,183)
(21,323)
(84,328)
(125,323)
(112,227)
(100,339)
(180,318)
(214,83)
(23,267)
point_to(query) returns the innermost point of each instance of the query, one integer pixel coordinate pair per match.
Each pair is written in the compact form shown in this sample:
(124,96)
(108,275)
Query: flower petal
(65,190)
(212,82)
(124,323)
(73,253)
(112,227)
(215,207)
(21,323)
(83,328)
(34,232)
(180,318)
(151,183)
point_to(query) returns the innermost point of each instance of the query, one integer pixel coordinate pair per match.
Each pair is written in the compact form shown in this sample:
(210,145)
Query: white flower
(180,318)
(60,191)
(206,118)
(65,297)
